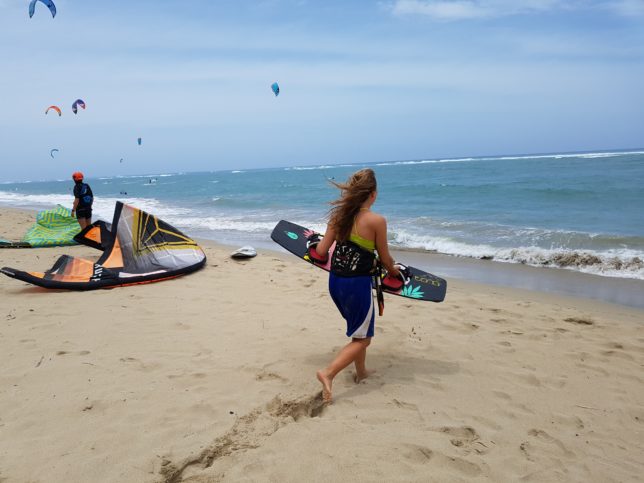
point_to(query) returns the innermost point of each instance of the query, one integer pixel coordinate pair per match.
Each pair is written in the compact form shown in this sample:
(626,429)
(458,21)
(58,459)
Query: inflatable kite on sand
(53,228)
(138,248)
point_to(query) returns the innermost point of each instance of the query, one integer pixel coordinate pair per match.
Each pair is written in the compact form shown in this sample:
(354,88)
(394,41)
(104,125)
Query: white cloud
(627,8)
(454,10)
(469,9)
(439,10)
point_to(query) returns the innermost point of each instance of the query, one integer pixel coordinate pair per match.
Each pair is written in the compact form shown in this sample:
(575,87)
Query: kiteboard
(415,283)
(243,253)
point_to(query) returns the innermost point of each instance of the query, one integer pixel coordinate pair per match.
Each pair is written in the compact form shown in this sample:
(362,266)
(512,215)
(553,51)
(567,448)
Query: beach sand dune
(211,377)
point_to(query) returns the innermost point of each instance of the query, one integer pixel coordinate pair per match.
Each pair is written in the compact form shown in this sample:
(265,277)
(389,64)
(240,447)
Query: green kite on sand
(53,228)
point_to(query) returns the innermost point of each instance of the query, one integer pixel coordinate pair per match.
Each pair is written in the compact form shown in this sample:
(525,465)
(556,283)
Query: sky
(361,81)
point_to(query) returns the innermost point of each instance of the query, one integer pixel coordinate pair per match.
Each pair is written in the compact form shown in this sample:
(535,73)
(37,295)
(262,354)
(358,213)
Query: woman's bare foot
(357,377)
(326,385)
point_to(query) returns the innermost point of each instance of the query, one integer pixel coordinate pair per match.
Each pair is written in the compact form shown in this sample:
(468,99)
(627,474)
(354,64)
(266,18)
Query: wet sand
(550,280)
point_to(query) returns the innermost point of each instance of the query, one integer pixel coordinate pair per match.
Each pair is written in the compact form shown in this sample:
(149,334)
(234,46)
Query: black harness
(351,260)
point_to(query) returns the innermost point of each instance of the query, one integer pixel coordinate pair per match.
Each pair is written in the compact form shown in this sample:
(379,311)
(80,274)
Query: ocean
(573,211)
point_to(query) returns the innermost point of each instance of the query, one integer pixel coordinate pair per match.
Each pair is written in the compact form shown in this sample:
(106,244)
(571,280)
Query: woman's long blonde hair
(354,193)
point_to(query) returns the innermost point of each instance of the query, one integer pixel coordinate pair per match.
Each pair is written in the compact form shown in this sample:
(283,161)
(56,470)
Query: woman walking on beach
(358,232)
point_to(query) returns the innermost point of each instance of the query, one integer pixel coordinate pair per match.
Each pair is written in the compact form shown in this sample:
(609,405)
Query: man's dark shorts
(83,213)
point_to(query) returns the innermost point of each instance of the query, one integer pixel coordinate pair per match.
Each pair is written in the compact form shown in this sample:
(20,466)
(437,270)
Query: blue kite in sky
(48,3)
(276,89)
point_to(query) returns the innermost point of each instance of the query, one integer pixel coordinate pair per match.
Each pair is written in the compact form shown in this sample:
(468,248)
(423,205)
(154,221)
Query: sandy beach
(211,377)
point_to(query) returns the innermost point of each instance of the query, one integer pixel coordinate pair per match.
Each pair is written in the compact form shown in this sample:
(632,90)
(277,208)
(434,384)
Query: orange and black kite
(137,248)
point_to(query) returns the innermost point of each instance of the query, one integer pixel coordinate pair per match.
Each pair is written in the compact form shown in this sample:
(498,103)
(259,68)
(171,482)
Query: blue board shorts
(353,297)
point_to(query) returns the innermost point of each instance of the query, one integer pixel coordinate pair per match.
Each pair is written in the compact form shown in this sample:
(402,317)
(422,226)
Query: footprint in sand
(530,379)
(527,450)
(617,353)
(267,376)
(463,466)
(404,405)
(423,455)
(133,360)
(579,320)
(541,435)
(417,454)
(247,433)
(570,421)
(502,395)
(614,345)
(460,435)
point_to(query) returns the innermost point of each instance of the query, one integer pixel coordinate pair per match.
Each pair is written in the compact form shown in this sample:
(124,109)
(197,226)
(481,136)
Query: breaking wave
(611,262)
(518,157)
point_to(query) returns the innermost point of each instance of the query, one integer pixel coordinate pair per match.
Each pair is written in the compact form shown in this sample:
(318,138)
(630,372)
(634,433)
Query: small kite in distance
(276,89)
(121,160)
(78,103)
(139,141)
(55,108)
(51,153)
(48,3)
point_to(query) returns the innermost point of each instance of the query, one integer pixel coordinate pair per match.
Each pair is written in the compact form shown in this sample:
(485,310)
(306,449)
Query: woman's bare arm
(329,237)
(382,245)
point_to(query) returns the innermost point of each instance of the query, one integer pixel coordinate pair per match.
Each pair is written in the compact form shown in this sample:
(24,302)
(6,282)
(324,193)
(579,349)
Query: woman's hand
(393,271)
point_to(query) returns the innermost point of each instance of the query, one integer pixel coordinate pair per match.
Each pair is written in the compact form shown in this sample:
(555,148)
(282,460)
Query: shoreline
(502,275)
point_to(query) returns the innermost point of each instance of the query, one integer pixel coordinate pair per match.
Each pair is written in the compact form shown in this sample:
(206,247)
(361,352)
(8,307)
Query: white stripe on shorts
(361,332)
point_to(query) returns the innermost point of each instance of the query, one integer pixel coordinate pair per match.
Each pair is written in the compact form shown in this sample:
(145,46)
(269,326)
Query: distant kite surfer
(358,233)
(83,200)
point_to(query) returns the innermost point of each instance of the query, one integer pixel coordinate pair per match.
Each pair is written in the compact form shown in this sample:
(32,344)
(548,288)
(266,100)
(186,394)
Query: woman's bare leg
(361,368)
(355,349)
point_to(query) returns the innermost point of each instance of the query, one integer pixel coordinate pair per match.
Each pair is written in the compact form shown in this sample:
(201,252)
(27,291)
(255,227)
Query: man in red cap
(83,199)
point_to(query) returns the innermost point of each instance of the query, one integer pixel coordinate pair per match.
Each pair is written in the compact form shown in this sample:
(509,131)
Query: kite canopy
(97,235)
(53,228)
(51,153)
(139,248)
(276,89)
(49,3)
(55,108)
(139,141)
(78,103)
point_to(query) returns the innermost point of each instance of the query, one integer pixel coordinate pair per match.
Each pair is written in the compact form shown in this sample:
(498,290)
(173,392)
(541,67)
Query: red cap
(77,176)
